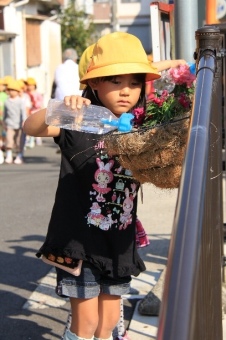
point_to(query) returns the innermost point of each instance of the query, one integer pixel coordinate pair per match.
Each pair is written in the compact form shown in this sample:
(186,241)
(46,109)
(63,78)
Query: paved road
(26,197)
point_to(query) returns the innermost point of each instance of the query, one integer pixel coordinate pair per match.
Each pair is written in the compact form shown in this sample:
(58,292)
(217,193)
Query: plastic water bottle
(91,118)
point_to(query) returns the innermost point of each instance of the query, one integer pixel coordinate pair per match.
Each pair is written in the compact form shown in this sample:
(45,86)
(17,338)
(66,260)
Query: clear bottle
(91,118)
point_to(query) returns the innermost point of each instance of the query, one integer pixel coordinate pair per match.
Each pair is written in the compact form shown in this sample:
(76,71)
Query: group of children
(18,100)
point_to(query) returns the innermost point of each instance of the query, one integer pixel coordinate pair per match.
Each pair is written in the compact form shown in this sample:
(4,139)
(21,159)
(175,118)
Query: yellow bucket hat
(84,63)
(31,81)
(8,79)
(21,83)
(119,53)
(14,85)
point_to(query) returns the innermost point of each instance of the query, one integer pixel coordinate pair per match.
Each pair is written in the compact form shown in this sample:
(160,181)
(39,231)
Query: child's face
(2,87)
(13,93)
(120,94)
(31,87)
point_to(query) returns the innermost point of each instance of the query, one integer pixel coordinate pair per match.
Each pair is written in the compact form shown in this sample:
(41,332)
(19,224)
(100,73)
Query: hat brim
(13,89)
(123,68)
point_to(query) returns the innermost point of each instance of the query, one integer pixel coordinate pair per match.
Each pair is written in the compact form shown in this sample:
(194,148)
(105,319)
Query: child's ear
(93,83)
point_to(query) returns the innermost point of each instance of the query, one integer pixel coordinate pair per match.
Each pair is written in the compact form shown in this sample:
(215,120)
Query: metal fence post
(191,306)
(209,299)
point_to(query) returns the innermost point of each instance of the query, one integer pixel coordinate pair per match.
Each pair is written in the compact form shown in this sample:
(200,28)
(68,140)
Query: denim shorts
(90,283)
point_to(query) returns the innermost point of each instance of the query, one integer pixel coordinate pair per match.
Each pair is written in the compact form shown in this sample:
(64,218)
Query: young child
(27,102)
(142,240)
(36,99)
(86,222)
(13,119)
(3,97)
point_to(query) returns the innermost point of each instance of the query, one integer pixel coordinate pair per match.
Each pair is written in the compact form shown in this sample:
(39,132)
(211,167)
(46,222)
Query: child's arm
(35,124)
(166,64)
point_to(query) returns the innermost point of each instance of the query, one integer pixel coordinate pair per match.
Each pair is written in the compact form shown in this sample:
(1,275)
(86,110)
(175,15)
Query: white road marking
(44,296)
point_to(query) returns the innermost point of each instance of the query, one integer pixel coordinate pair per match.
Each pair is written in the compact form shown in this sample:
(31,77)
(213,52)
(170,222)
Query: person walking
(66,77)
(36,99)
(27,102)
(13,119)
(3,97)
(86,225)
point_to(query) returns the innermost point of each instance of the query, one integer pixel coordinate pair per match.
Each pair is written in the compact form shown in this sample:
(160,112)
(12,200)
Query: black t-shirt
(94,213)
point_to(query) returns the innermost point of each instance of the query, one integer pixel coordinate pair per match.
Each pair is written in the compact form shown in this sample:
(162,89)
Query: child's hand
(178,62)
(76,102)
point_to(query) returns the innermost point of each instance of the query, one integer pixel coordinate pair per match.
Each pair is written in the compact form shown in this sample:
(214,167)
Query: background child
(13,118)
(86,224)
(27,102)
(36,99)
(3,97)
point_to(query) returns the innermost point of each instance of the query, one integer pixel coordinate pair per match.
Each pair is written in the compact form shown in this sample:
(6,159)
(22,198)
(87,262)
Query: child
(3,97)
(27,102)
(141,237)
(86,223)
(36,103)
(13,119)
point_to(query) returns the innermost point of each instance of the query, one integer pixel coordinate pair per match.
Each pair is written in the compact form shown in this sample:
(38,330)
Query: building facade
(30,37)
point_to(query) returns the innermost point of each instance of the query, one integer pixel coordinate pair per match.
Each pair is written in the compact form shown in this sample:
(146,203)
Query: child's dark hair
(93,96)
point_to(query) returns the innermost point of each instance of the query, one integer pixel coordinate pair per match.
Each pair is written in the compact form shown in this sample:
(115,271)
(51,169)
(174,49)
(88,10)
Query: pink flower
(158,100)
(184,100)
(138,115)
(182,75)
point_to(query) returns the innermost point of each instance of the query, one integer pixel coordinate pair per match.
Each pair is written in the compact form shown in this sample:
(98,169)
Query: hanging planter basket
(154,155)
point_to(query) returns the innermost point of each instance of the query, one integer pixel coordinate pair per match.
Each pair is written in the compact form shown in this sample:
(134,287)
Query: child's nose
(125,90)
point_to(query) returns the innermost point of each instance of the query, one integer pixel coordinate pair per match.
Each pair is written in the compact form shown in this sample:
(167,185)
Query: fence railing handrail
(177,315)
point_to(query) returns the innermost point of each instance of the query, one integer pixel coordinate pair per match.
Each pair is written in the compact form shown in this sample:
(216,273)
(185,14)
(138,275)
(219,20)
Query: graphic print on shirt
(103,176)
(126,216)
(112,196)
(94,216)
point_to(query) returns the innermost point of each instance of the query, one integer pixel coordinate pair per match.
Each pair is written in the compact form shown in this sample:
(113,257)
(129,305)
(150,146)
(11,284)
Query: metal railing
(191,307)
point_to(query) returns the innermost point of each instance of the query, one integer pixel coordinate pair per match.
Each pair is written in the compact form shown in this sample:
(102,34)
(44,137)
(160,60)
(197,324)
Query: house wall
(133,17)
(16,50)
(51,54)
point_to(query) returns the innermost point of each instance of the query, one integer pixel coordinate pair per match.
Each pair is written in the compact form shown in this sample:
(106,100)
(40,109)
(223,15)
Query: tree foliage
(77,29)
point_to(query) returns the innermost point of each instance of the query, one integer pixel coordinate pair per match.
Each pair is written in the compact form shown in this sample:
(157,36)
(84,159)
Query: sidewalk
(156,214)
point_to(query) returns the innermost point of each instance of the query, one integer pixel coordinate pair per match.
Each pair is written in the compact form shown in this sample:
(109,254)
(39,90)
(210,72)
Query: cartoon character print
(126,216)
(107,222)
(103,176)
(94,216)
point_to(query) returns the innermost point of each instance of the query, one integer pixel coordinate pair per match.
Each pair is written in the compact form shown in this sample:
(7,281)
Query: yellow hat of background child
(14,85)
(119,53)
(8,79)
(21,83)
(84,63)
(2,81)
(31,81)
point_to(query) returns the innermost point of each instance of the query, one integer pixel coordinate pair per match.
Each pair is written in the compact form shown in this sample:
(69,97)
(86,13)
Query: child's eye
(136,83)
(114,81)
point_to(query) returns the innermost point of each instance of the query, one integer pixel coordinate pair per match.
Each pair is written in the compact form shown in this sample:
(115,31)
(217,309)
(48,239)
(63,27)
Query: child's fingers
(76,102)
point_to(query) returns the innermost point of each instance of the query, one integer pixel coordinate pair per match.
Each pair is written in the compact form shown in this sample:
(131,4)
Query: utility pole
(186,23)
(211,12)
(114,16)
